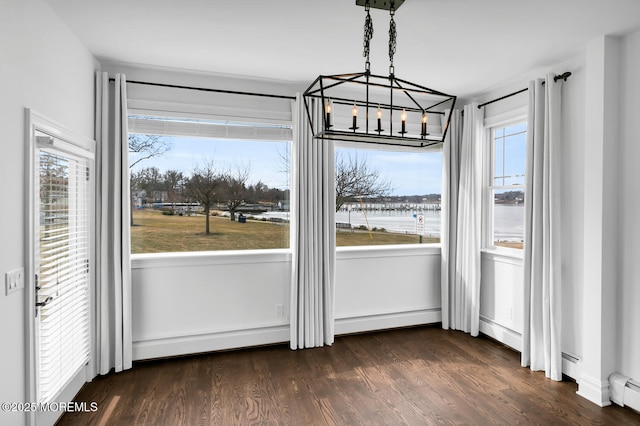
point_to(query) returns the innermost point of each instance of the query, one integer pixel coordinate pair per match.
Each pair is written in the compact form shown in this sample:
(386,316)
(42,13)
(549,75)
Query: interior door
(61,267)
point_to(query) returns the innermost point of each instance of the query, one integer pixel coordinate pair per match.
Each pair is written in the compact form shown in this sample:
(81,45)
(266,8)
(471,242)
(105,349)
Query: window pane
(508,218)
(387,197)
(498,162)
(515,151)
(517,128)
(243,184)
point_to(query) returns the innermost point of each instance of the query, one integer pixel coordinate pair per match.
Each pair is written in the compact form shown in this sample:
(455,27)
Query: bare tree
(284,157)
(355,178)
(203,186)
(173,183)
(143,147)
(234,189)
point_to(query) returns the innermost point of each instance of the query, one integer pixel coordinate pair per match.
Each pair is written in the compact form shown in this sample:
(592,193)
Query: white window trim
(390,248)
(514,116)
(176,110)
(169,109)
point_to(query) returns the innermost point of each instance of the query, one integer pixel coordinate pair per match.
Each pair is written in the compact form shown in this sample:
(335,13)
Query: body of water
(509,220)
(401,221)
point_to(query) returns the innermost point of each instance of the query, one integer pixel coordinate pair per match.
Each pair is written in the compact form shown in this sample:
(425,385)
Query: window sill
(505,255)
(361,252)
(185,259)
(194,258)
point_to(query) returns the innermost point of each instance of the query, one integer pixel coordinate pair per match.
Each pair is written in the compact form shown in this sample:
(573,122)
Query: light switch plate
(14,280)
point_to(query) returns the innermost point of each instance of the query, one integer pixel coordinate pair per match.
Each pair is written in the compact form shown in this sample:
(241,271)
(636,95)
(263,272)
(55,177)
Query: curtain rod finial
(563,76)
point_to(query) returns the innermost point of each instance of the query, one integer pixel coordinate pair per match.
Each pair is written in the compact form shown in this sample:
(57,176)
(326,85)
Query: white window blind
(63,269)
(174,126)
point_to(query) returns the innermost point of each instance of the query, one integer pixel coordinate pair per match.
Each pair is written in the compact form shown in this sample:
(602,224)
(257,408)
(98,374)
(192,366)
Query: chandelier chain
(392,38)
(368,35)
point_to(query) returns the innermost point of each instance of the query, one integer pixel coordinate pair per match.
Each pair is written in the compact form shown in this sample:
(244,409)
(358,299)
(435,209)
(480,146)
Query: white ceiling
(461,47)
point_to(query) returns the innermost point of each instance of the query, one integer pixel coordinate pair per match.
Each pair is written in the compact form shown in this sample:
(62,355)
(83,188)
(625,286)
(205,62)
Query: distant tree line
(510,197)
(207,186)
(413,199)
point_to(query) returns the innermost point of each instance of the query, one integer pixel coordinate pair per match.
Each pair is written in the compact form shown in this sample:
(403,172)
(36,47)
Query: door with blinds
(62,239)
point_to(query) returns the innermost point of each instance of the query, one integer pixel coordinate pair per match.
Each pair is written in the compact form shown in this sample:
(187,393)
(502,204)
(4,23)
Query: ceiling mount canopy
(381,4)
(364,107)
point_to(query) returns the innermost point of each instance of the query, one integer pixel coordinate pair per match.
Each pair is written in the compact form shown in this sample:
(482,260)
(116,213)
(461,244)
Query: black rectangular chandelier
(369,108)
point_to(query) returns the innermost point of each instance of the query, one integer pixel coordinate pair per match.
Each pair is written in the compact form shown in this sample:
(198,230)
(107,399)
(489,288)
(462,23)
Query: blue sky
(410,173)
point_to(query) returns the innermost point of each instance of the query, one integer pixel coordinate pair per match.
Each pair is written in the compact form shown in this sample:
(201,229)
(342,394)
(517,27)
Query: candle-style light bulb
(379,115)
(425,119)
(354,113)
(328,114)
(403,117)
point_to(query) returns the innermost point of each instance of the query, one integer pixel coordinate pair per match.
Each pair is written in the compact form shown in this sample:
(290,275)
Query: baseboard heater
(624,391)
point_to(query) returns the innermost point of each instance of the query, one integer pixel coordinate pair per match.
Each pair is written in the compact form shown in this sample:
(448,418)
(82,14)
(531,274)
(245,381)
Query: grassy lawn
(363,238)
(510,244)
(154,232)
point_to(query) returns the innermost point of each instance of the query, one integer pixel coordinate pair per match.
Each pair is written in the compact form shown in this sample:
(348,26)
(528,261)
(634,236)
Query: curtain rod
(562,76)
(204,89)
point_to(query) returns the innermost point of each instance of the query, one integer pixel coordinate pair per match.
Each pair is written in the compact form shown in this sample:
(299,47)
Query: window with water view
(387,197)
(199,185)
(506,185)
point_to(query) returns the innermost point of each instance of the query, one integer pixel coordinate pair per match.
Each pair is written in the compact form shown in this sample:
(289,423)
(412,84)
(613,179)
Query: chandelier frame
(402,107)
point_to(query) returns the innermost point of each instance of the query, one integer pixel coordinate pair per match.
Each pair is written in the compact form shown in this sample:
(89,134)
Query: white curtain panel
(313,234)
(113,295)
(460,284)
(542,306)
(449,212)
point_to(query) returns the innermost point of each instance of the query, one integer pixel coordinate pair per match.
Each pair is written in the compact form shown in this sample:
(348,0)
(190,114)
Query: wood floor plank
(412,376)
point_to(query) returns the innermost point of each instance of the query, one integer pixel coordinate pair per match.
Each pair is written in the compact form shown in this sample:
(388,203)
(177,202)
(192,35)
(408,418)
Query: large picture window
(506,182)
(216,186)
(387,197)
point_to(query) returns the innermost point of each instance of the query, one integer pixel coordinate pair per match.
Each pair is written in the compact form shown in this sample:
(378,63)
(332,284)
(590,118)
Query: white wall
(501,298)
(385,287)
(46,68)
(190,303)
(498,292)
(198,302)
(502,276)
(628,297)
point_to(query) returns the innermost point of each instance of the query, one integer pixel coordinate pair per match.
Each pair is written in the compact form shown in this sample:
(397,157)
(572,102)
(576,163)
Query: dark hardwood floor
(412,376)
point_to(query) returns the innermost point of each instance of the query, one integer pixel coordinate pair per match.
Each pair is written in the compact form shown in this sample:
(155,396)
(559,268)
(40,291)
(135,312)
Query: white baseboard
(501,333)
(388,320)
(624,391)
(234,339)
(632,395)
(594,390)
(193,344)
(571,366)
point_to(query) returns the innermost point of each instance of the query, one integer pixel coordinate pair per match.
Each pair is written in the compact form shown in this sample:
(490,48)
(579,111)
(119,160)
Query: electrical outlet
(14,280)
(279,310)
(509,313)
